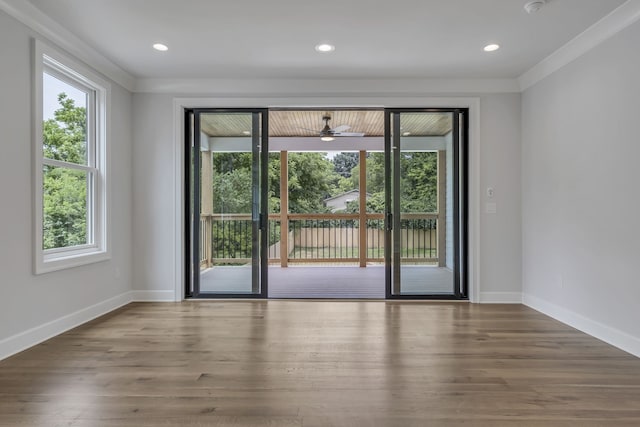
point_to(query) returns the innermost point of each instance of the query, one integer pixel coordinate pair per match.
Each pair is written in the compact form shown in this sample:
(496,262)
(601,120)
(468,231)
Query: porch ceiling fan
(328,133)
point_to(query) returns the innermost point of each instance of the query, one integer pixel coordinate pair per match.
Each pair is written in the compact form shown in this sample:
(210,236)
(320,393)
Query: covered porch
(335,253)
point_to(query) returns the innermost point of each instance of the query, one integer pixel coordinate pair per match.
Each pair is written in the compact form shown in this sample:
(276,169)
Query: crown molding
(325,87)
(620,18)
(34,18)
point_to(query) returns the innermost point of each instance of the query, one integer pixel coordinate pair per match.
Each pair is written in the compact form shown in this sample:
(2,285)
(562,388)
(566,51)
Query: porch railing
(225,239)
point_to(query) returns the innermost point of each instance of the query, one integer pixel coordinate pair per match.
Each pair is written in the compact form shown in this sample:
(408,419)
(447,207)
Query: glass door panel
(424,204)
(227,230)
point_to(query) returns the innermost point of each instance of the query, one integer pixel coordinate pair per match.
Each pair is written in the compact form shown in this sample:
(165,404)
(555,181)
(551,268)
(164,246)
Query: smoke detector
(534,6)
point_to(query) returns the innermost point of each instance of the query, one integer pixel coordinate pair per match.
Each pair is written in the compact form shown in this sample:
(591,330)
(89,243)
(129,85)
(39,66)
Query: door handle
(389,221)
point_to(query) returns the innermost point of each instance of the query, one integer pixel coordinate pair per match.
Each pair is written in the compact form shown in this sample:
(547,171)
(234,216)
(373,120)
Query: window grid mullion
(61,164)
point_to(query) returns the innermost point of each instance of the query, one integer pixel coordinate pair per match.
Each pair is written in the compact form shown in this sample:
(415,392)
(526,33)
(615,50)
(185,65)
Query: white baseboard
(615,337)
(22,341)
(152,296)
(19,342)
(500,297)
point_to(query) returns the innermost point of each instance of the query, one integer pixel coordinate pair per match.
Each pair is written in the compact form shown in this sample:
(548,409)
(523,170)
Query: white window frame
(74,73)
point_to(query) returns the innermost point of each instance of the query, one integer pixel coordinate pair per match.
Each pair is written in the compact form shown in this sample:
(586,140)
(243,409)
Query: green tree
(274,182)
(343,163)
(65,136)
(311,179)
(65,189)
(418,181)
(228,162)
(232,192)
(375,173)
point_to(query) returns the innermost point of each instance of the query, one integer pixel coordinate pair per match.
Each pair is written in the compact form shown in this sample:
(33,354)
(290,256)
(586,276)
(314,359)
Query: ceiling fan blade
(310,130)
(348,134)
(340,128)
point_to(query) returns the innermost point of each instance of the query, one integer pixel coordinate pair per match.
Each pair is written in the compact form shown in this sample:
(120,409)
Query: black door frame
(260,174)
(460,199)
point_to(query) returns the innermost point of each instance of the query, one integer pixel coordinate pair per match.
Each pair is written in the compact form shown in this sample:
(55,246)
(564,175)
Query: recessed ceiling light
(406,133)
(161,47)
(246,132)
(491,47)
(325,47)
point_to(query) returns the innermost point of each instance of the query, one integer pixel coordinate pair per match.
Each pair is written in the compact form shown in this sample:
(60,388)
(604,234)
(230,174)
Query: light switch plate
(491,208)
(490,192)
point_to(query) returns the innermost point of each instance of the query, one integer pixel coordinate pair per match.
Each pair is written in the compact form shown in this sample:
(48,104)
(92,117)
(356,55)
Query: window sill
(56,262)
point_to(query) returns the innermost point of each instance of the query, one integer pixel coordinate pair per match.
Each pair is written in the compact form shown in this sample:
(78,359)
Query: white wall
(580,192)
(154,211)
(51,300)
(153,205)
(501,259)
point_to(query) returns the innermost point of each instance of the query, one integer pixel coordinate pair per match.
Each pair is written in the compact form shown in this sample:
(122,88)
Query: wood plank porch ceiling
(308,123)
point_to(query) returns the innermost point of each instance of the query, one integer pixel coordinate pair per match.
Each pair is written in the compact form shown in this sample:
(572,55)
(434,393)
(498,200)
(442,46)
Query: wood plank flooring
(321,363)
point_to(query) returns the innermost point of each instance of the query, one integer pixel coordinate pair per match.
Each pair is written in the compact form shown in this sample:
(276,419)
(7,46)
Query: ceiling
(373,38)
(308,123)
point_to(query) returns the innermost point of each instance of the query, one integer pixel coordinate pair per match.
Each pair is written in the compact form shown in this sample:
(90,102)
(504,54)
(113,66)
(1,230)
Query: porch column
(362,188)
(284,209)
(442,208)
(206,205)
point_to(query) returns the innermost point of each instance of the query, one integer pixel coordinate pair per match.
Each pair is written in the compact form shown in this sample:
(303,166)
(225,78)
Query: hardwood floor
(320,363)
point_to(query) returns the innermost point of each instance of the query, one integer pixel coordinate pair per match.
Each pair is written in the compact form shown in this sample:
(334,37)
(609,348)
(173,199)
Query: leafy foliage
(232,191)
(64,136)
(343,163)
(65,189)
(418,182)
(313,177)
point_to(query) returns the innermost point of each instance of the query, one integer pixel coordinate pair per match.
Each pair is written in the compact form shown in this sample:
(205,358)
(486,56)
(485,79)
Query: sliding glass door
(425,156)
(228,203)
(412,199)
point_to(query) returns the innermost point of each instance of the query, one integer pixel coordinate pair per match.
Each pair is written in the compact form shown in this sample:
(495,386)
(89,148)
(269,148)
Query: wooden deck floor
(329,281)
(321,363)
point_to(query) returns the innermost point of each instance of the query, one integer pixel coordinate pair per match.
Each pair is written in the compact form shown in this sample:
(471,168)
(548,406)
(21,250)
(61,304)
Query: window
(70,163)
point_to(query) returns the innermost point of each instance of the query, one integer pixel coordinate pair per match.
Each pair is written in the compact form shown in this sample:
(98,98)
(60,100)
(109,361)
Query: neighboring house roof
(355,192)
(339,202)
